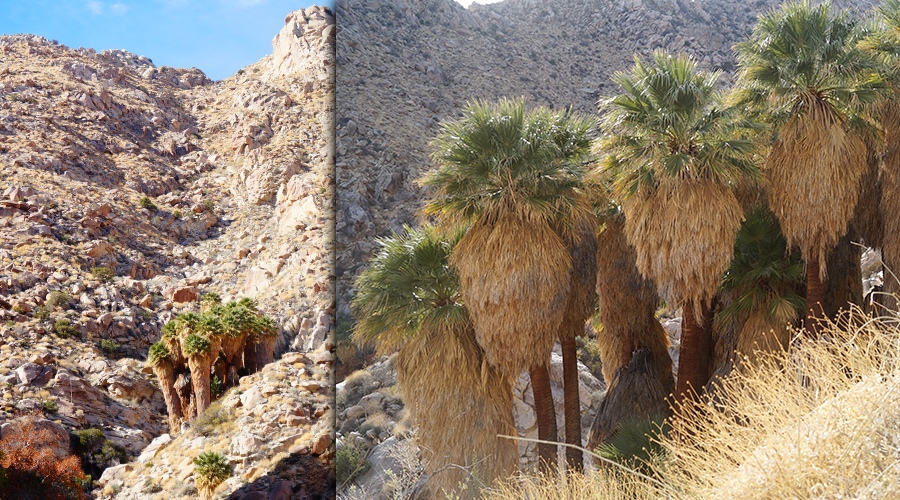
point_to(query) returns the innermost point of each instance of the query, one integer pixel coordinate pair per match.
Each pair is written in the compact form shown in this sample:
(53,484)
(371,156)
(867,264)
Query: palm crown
(408,286)
(500,160)
(668,123)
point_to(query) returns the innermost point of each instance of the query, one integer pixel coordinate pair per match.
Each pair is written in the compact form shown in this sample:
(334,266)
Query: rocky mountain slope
(128,191)
(406,65)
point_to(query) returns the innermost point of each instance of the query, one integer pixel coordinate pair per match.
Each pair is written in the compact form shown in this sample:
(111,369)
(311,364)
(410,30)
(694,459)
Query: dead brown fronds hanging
(515,278)
(683,232)
(814,171)
(460,404)
(627,307)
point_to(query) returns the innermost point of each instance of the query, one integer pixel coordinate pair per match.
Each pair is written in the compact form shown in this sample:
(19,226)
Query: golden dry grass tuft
(820,421)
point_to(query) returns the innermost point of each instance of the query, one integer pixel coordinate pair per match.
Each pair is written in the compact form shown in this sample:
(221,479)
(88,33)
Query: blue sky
(217,36)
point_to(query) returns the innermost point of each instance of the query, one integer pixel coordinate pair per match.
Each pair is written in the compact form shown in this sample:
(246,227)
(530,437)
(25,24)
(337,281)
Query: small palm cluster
(211,469)
(220,341)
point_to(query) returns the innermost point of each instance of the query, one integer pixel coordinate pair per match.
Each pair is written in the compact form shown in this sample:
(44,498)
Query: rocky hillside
(129,190)
(406,65)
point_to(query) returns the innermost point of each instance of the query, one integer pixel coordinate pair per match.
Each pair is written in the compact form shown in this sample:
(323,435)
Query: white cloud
(119,8)
(95,6)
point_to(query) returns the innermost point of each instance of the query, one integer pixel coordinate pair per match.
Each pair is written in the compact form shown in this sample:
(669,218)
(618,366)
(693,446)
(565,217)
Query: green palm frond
(670,122)
(501,159)
(762,272)
(237,320)
(408,286)
(210,325)
(807,59)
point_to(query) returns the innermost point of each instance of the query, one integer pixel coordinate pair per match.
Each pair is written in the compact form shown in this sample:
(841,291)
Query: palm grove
(739,206)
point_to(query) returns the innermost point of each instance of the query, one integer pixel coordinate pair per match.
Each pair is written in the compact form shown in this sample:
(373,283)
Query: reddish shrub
(31,468)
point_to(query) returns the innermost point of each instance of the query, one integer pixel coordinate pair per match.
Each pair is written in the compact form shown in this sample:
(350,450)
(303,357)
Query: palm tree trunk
(185,392)
(265,348)
(165,374)
(574,457)
(200,366)
(693,363)
(843,287)
(815,296)
(250,356)
(546,418)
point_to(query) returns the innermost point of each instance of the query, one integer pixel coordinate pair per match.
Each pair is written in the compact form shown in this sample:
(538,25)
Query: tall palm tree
(409,296)
(884,42)
(159,359)
(804,72)
(515,177)
(674,157)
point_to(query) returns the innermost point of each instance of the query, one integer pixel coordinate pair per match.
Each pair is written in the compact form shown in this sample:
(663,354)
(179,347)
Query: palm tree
(633,345)
(159,359)
(674,158)
(765,280)
(515,177)
(265,332)
(803,71)
(884,42)
(409,296)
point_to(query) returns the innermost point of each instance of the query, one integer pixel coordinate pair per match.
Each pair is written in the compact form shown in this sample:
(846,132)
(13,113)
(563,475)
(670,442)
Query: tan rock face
(298,46)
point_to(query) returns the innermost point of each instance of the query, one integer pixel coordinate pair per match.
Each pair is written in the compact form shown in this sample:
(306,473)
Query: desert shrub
(209,204)
(216,388)
(57,299)
(109,347)
(49,406)
(214,418)
(103,274)
(64,329)
(177,214)
(147,203)
(350,462)
(30,469)
(41,313)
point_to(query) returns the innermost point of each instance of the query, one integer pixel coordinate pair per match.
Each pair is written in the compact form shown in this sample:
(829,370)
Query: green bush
(147,203)
(57,299)
(209,204)
(216,388)
(109,346)
(350,462)
(103,274)
(177,214)
(49,406)
(42,313)
(64,329)
(88,439)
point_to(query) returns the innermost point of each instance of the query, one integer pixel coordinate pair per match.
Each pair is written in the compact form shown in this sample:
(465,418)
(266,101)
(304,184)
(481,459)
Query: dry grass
(820,421)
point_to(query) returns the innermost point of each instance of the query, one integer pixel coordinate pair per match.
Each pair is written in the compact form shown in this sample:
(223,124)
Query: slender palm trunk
(843,288)
(815,296)
(574,457)
(546,418)
(693,363)
(165,374)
